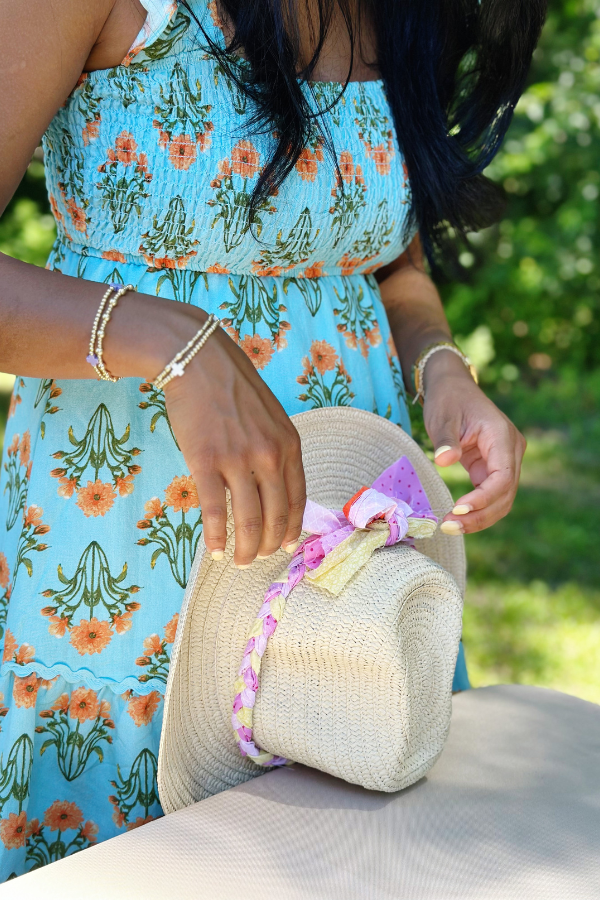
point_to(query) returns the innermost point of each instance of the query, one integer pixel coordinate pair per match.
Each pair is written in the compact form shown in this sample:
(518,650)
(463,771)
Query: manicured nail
(462,509)
(217,555)
(441,450)
(452,527)
(289,548)
(246,566)
(266,556)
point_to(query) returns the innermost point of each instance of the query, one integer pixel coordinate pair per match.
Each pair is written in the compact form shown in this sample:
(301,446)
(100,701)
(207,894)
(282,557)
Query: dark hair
(453,72)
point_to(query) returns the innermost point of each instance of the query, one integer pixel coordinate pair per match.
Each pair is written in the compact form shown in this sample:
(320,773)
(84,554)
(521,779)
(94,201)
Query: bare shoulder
(45,45)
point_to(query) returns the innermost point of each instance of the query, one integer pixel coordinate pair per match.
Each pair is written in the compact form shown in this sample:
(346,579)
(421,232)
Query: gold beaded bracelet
(418,370)
(178,364)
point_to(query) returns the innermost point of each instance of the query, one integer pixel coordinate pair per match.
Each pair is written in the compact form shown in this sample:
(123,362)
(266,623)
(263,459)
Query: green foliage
(534,279)
(27,229)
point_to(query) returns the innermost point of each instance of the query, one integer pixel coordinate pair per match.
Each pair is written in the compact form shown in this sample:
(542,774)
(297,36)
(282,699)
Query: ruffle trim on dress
(159,14)
(131,683)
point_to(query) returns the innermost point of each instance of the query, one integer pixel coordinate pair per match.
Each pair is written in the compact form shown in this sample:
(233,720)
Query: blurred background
(528,314)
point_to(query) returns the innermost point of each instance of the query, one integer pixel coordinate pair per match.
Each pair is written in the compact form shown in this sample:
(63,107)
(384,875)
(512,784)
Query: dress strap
(159,15)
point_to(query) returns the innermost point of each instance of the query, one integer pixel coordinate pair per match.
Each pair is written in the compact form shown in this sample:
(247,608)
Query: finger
(500,484)
(247,519)
(274,508)
(295,483)
(445,436)
(477,520)
(213,503)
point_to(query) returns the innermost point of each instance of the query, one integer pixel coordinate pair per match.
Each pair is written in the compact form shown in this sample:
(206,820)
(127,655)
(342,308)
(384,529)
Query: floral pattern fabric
(150,168)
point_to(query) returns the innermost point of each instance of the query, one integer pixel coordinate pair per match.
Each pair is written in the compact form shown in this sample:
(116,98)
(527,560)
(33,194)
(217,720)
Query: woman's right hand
(235,434)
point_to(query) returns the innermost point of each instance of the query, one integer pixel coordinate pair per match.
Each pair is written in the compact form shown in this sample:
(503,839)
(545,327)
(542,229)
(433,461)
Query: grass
(532,610)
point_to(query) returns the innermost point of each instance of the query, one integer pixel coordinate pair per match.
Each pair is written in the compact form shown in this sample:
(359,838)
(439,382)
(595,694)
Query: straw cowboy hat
(356,679)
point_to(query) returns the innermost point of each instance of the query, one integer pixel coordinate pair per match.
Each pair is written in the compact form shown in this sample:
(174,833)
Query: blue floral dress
(150,166)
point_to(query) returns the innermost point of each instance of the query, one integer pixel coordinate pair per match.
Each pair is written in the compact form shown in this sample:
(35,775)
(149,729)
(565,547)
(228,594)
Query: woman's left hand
(464,425)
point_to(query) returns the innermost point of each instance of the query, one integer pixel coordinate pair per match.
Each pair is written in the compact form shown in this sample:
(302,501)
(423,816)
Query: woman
(274,170)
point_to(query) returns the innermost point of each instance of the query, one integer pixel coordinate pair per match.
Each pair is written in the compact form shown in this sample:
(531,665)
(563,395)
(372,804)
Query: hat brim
(342,450)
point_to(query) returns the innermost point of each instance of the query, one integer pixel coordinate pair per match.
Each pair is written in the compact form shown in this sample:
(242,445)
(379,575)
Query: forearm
(46,320)
(417,318)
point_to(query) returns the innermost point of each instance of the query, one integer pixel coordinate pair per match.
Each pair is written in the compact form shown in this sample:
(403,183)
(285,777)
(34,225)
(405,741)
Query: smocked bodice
(154,162)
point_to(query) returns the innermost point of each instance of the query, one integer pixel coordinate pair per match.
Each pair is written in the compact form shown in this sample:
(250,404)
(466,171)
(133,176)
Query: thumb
(446,442)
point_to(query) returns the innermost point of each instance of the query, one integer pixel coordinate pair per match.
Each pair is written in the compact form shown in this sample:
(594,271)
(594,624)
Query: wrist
(147,332)
(443,366)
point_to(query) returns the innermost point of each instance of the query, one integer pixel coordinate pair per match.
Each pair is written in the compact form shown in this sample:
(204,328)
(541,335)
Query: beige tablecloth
(511,811)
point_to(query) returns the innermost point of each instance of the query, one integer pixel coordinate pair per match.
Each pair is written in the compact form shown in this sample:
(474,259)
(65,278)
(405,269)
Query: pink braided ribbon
(395,508)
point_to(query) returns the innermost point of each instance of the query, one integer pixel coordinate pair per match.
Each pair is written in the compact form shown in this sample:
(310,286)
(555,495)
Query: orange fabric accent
(346,509)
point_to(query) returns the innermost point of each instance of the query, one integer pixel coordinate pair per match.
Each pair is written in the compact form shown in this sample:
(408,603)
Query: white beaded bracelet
(96,347)
(178,364)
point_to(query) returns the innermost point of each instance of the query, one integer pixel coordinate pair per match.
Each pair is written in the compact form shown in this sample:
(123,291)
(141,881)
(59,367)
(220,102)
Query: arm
(251,447)
(460,420)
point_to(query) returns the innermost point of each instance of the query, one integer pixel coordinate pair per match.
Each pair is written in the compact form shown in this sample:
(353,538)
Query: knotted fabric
(395,508)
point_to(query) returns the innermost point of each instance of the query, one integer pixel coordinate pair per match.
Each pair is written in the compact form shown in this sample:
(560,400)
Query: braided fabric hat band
(394,509)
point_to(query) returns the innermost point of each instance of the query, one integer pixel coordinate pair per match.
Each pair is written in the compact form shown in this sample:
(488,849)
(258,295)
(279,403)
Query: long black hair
(453,72)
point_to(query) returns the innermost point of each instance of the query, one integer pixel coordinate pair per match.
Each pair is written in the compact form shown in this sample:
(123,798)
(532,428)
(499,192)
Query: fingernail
(452,527)
(259,556)
(217,555)
(246,566)
(289,548)
(462,509)
(441,450)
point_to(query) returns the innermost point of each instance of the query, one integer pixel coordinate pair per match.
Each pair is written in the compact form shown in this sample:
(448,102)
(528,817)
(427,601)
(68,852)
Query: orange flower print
(126,148)
(382,157)
(346,166)
(218,269)
(33,516)
(182,152)
(245,159)
(153,508)
(25,449)
(105,709)
(90,132)
(4,571)
(204,138)
(265,271)
(10,646)
(62,816)
(313,271)
(54,207)
(122,623)
(62,704)
(259,350)
(78,217)
(114,256)
(33,827)
(13,830)
(307,166)
(66,487)
(182,495)
(142,709)
(125,485)
(91,637)
(25,654)
(171,629)
(12,407)
(25,691)
(84,705)
(323,356)
(58,625)
(96,498)
(152,644)
(90,831)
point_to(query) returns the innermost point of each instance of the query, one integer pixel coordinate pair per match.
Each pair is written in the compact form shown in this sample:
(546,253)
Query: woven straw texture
(357,685)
